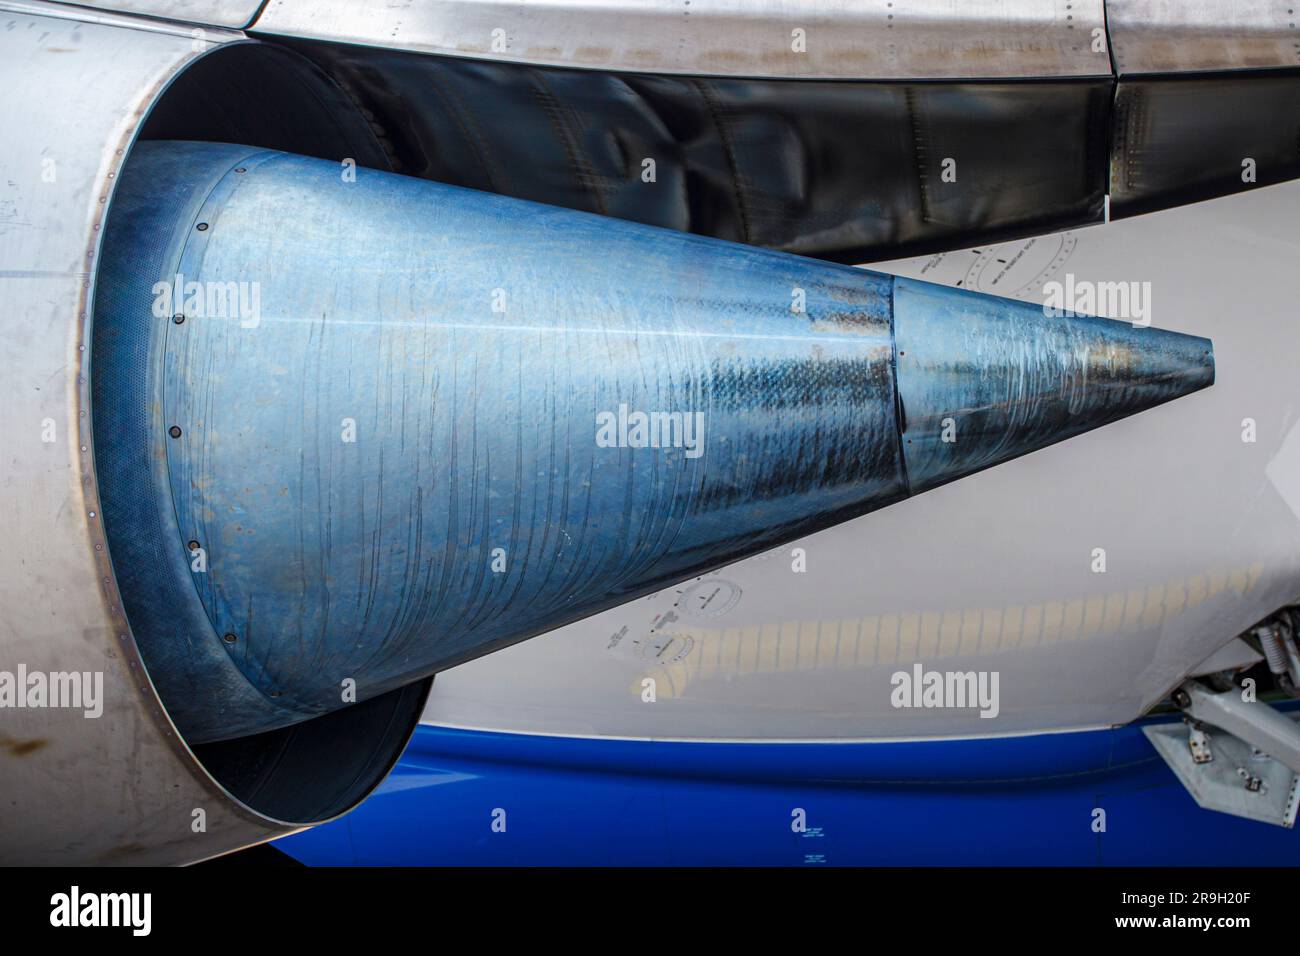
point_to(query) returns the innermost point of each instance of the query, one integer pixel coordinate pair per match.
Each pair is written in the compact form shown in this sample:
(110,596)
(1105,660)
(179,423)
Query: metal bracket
(1252,721)
(1198,741)
(1254,768)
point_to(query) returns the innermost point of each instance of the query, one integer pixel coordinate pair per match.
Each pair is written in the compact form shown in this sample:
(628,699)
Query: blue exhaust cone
(982,380)
(350,433)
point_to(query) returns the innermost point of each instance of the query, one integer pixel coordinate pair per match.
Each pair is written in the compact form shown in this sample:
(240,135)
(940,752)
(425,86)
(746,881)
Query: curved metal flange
(78,93)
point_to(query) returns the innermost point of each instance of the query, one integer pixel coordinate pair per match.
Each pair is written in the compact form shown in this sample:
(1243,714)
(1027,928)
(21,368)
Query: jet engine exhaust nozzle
(351,433)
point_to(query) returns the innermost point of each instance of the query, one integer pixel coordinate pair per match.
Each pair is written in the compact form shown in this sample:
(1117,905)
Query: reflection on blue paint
(568,801)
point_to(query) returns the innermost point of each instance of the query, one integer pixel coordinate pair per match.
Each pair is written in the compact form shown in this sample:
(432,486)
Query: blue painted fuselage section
(574,801)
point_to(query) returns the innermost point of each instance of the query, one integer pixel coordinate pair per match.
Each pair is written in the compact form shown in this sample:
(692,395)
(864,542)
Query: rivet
(193,546)
(174,431)
(202,227)
(178,318)
(240,169)
(229,638)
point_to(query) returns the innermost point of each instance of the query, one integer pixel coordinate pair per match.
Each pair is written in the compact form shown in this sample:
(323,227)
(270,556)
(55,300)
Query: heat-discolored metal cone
(438,422)
(982,379)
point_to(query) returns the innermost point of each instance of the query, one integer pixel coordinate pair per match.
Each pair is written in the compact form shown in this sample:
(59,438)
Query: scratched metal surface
(119,788)
(1071,374)
(475,429)
(232,14)
(844,39)
(470,343)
